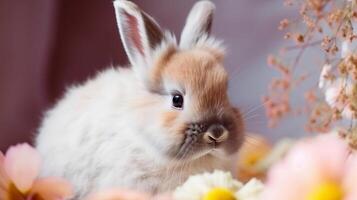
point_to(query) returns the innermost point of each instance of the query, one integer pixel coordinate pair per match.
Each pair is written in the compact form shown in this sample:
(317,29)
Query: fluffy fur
(120,128)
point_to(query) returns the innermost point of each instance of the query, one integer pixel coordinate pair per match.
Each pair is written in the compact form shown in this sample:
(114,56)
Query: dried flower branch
(329,23)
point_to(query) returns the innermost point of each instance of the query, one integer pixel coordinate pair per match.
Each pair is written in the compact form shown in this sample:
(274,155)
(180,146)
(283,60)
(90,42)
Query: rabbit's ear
(139,32)
(198,23)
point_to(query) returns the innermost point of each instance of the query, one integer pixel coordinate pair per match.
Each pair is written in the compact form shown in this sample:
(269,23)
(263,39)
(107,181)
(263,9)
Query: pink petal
(303,166)
(22,163)
(119,194)
(331,152)
(282,184)
(3,176)
(52,188)
(163,197)
(4,180)
(308,163)
(351,177)
(2,158)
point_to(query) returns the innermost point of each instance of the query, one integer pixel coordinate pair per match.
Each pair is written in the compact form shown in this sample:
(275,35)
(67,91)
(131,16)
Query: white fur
(96,140)
(99,136)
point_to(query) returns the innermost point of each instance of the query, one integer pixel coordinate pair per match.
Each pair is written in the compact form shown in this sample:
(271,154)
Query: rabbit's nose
(215,134)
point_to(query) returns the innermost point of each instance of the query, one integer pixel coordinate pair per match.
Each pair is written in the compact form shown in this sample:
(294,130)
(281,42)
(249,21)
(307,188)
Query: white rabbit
(150,126)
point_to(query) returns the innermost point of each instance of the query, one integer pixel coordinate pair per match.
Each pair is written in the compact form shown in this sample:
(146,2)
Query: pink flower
(122,194)
(19,170)
(321,168)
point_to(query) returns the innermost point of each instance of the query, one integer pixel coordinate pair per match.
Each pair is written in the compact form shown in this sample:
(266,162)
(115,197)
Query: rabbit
(149,126)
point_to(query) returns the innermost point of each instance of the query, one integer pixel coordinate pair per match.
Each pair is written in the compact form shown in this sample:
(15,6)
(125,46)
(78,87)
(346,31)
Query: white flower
(326,70)
(345,48)
(212,185)
(251,190)
(333,91)
(197,186)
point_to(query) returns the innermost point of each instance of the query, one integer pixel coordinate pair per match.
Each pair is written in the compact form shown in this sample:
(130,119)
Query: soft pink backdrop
(46,45)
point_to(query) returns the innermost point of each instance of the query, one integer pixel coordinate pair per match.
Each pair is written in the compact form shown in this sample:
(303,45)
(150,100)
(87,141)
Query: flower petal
(22,163)
(331,152)
(326,69)
(119,194)
(251,190)
(309,163)
(166,196)
(350,178)
(4,180)
(52,188)
(303,165)
(3,176)
(345,48)
(2,158)
(253,151)
(277,187)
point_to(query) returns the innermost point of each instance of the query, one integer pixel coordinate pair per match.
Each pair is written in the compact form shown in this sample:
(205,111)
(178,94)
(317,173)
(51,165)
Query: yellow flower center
(253,158)
(219,194)
(326,191)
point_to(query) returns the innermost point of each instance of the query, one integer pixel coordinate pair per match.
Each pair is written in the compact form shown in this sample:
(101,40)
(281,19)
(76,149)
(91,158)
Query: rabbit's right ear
(139,32)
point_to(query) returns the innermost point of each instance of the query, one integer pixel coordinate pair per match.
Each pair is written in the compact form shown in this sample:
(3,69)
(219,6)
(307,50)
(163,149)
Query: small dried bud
(334,17)
(283,24)
(310,96)
(271,60)
(310,23)
(352,138)
(289,2)
(326,41)
(299,38)
(354,15)
(287,35)
(342,68)
(333,49)
(317,5)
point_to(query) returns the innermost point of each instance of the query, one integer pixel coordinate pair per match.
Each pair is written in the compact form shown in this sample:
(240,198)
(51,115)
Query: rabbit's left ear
(198,23)
(139,32)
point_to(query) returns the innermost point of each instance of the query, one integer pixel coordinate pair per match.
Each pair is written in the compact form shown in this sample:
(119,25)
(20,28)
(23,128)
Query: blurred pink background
(47,45)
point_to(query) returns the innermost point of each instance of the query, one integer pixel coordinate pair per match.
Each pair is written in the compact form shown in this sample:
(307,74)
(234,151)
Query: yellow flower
(257,155)
(219,194)
(326,191)
(253,151)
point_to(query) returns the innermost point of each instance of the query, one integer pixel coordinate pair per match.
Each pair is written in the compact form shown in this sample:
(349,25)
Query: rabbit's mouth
(201,140)
(193,152)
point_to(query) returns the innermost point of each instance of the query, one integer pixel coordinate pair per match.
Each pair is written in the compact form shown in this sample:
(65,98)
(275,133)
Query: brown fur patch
(204,80)
(158,68)
(169,118)
(201,75)
(169,121)
(218,54)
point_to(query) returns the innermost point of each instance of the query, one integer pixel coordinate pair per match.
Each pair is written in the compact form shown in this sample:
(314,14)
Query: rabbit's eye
(177,101)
